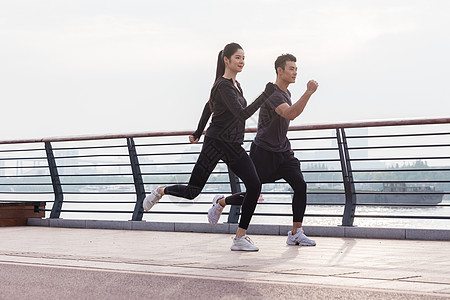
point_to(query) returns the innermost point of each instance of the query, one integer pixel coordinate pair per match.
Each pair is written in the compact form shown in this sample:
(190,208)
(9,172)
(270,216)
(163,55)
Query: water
(202,203)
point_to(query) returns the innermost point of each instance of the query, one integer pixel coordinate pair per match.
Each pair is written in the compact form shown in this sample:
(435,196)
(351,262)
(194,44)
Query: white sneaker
(151,199)
(243,244)
(215,211)
(299,239)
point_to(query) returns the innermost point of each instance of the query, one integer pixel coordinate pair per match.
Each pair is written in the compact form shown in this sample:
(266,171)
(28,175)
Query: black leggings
(272,166)
(237,160)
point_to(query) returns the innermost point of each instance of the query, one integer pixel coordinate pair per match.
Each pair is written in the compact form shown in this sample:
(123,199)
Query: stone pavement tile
(144,268)
(285,269)
(445,291)
(320,280)
(332,271)
(383,274)
(432,278)
(407,286)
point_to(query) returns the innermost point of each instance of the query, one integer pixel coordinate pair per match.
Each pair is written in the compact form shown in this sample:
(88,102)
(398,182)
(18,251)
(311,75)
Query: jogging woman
(223,141)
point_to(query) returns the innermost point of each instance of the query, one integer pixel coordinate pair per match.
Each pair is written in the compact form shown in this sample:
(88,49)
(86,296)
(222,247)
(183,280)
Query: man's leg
(291,172)
(298,184)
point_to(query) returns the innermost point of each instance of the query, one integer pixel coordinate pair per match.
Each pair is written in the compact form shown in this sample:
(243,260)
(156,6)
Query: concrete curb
(325,231)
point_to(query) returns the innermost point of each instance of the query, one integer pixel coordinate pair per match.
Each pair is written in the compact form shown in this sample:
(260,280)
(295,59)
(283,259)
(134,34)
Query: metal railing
(362,170)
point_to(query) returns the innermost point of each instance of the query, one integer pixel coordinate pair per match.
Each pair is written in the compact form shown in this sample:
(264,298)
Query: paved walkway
(51,263)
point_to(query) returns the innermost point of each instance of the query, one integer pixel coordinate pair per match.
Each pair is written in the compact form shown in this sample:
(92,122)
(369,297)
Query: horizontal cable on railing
(91,156)
(96,175)
(168,153)
(24,167)
(399,193)
(98,211)
(402,170)
(315,149)
(319,160)
(397,147)
(404,217)
(21,150)
(97,183)
(400,181)
(179,173)
(88,147)
(403,204)
(26,193)
(397,135)
(99,193)
(321,171)
(24,158)
(400,158)
(94,165)
(312,138)
(165,144)
(101,202)
(21,183)
(24,176)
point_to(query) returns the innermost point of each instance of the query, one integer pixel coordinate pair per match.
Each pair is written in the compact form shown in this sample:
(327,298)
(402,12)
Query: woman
(223,141)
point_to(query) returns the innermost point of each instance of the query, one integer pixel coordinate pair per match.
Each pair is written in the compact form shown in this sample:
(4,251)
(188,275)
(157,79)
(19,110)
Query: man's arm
(293,111)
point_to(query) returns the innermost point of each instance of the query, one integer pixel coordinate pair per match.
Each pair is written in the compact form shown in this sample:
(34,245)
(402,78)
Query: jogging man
(271,150)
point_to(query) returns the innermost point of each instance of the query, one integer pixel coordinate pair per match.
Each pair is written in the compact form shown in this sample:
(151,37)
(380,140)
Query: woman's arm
(230,96)
(201,124)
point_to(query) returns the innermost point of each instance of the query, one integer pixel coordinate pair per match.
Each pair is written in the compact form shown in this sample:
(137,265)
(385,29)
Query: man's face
(289,73)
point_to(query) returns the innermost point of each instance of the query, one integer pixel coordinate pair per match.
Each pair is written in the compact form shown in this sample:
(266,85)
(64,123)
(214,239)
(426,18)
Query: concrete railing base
(325,231)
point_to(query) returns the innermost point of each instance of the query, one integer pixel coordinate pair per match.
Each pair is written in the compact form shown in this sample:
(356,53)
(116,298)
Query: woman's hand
(193,140)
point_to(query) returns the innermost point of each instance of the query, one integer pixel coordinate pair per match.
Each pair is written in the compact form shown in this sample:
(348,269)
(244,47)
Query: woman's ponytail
(220,70)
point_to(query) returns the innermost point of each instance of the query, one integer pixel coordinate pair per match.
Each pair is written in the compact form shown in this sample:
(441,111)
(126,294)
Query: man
(271,150)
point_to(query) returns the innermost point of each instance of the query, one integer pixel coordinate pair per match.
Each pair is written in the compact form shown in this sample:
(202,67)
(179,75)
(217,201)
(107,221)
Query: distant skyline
(96,67)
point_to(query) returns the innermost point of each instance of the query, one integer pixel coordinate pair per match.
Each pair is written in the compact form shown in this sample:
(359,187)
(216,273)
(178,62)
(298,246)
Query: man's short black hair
(282,59)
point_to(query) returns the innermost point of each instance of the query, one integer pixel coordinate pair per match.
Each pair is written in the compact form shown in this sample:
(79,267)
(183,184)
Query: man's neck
(282,85)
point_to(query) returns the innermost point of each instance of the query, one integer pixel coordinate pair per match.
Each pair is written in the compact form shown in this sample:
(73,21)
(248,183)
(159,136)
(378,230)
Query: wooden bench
(17,213)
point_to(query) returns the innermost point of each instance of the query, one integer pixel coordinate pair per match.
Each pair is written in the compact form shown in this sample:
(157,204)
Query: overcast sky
(93,67)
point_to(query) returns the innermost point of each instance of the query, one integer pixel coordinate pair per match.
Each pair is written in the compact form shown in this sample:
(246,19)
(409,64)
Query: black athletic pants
(272,166)
(237,160)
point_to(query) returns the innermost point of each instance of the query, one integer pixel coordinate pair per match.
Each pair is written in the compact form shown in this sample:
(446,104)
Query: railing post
(138,182)
(349,185)
(235,210)
(57,189)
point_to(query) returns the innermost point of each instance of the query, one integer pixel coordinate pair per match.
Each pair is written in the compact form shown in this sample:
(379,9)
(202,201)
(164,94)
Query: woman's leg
(235,199)
(206,162)
(265,165)
(243,168)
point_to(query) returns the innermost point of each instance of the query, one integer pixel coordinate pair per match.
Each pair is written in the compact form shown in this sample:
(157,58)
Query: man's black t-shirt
(273,128)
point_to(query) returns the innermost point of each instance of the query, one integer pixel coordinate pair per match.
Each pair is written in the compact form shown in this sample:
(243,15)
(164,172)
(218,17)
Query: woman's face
(236,62)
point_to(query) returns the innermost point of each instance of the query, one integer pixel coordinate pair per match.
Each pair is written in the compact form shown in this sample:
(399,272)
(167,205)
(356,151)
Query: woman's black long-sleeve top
(229,111)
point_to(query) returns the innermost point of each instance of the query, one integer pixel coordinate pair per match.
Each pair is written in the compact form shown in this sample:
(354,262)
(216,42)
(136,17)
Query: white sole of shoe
(306,245)
(240,249)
